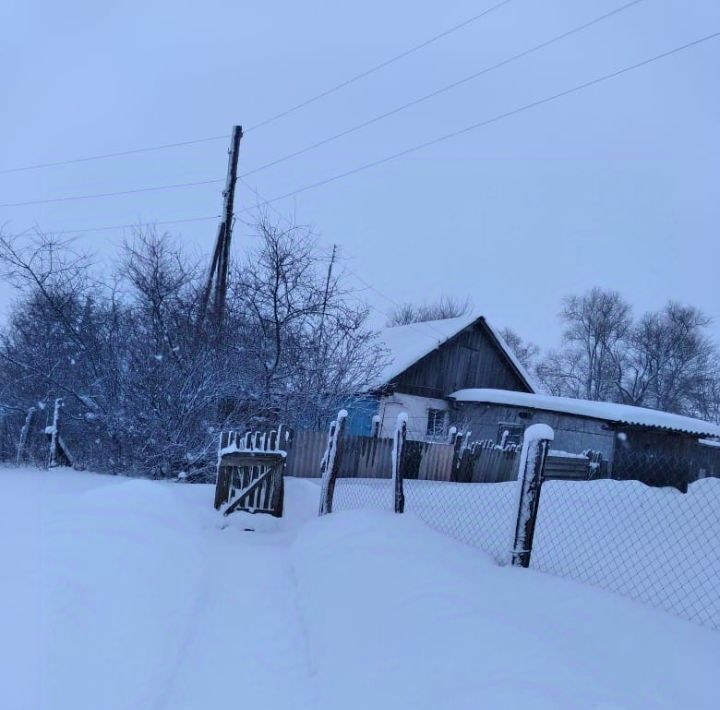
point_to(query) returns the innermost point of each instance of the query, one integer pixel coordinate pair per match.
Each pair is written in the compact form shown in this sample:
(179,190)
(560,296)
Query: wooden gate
(250,472)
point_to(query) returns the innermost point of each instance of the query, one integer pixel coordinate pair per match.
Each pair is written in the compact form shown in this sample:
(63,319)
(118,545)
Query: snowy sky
(616,186)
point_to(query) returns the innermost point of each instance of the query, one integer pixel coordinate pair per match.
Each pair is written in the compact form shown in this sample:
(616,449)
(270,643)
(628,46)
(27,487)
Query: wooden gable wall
(469,359)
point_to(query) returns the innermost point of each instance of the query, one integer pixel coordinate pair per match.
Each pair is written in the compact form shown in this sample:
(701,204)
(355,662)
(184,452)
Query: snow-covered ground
(656,545)
(132,594)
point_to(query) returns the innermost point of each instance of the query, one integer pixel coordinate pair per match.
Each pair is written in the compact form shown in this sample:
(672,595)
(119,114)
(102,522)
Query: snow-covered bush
(146,384)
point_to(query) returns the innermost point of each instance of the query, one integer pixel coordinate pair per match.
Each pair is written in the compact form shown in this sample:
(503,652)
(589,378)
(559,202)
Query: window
(436,422)
(510,433)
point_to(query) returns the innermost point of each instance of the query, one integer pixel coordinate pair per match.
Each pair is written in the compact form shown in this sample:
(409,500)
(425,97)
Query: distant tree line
(145,383)
(662,359)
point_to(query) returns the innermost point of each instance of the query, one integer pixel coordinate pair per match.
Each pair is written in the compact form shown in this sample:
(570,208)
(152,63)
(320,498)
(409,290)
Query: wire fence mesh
(651,536)
(465,492)
(479,514)
(471,498)
(654,544)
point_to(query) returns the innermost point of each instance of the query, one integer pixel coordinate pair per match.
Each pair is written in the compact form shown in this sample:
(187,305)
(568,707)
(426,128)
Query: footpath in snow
(119,593)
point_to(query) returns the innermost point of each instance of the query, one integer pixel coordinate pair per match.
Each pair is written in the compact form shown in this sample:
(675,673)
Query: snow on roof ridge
(609,411)
(409,343)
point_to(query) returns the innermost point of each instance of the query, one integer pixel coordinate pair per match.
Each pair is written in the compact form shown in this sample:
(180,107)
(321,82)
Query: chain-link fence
(654,543)
(464,491)
(473,498)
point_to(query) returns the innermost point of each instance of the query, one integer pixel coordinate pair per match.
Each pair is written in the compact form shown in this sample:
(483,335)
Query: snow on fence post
(330,465)
(459,443)
(52,432)
(397,461)
(532,459)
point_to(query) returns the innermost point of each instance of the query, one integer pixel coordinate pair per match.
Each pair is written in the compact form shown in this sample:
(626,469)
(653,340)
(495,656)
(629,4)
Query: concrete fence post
(532,459)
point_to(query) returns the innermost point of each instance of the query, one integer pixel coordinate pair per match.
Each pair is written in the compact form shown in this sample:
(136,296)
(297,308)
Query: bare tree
(597,325)
(663,361)
(525,351)
(670,363)
(146,390)
(311,347)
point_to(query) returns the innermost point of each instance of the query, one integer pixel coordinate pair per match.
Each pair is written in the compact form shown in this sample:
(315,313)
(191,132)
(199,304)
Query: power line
(497,118)
(480,124)
(97,195)
(271,119)
(132,225)
(357,127)
(445,88)
(117,154)
(380,66)
(415,326)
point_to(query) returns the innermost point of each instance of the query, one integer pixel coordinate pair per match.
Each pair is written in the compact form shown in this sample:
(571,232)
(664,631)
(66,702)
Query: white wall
(416,409)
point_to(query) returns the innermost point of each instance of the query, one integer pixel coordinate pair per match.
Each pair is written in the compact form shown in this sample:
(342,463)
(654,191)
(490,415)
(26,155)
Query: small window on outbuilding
(436,422)
(510,433)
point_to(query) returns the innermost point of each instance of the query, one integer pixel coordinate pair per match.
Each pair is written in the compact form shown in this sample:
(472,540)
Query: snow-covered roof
(608,411)
(406,344)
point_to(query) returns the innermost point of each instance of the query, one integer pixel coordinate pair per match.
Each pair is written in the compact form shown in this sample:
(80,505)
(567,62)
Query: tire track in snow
(246,638)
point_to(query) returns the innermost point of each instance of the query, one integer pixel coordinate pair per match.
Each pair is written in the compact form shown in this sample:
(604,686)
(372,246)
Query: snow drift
(121,594)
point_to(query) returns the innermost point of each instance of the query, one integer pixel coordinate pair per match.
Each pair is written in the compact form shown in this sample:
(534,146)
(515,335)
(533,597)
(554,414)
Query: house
(635,442)
(427,362)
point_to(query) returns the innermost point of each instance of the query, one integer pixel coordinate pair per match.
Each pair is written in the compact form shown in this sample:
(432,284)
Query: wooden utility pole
(327,291)
(216,285)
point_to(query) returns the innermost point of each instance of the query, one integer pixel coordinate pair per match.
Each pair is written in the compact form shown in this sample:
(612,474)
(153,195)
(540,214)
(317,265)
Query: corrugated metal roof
(607,411)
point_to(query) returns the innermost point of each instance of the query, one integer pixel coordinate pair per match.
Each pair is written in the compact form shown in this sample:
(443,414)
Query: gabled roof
(607,411)
(407,344)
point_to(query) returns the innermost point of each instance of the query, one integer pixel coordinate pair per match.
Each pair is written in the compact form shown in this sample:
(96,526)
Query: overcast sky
(615,186)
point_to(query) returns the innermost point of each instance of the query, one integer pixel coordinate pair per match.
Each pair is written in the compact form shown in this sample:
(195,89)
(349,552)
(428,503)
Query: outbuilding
(635,442)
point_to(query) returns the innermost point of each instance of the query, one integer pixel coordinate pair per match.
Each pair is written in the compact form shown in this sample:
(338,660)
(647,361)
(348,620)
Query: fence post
(459,442)
(24,432)
(532,459)
(52,431)
(397,461)
(330,465)
(222,478)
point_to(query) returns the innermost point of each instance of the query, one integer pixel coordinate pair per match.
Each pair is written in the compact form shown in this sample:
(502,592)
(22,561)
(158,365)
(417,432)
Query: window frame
(433,416)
